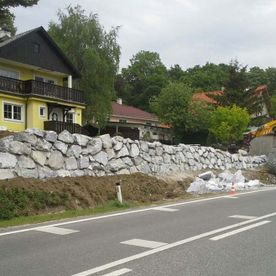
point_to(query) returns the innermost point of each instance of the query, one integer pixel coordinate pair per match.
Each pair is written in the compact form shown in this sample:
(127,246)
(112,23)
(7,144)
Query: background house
(134,123)
(36,84)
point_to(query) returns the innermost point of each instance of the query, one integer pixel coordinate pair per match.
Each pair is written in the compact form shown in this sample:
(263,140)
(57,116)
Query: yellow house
(36,84)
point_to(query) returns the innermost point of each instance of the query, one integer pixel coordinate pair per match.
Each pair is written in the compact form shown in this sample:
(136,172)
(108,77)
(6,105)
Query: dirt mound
(39,196)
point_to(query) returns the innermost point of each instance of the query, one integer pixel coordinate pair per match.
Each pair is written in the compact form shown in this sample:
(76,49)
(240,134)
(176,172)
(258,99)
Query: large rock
(26,162)
(71,163)
(38,132)
(39,157)
(5,143)
(45,172)
(81,140)
(7,160)
(25,137)
(6,174)
(43,145)
(118,146)
(101,158)
(74,150)
(83,162)
(106,140)
(62,147)
(115,165)
(17,147)
(95,146)
(55,160)
(51,136)
(123,152)
(66,137)
(27,173)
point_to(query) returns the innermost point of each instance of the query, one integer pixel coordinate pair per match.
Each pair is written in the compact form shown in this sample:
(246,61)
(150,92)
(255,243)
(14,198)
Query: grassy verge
(108,207)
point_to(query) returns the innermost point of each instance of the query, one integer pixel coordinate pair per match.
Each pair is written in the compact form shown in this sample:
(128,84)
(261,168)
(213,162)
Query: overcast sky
(184,32)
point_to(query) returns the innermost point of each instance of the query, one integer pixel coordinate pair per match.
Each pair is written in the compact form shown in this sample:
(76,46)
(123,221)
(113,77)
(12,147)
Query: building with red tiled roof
(204,97)
(137,124)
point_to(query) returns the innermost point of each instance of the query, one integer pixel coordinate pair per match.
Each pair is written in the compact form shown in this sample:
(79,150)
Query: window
(54,117)
(123,121)
(13,112)
(70,118)
(9,73)
(36,48)
(42,111)
(38,78)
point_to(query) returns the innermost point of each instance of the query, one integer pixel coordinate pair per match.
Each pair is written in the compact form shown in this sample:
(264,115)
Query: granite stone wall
(43,154)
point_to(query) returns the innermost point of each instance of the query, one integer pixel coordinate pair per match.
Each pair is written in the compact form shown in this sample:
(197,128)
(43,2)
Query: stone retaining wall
(43,154)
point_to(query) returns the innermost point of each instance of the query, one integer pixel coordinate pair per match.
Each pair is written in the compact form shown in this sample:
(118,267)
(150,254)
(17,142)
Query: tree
(257,76)
(206,78)
(6,17)
(228,124)
(272,111)
(271,80)
(237,90)
(174,106)
(145,77)
(175,72)
(95,53)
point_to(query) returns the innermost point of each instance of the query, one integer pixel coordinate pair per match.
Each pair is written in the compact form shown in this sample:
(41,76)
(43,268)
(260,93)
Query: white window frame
(10,70)
(45,111)
(14,104)
(73,117)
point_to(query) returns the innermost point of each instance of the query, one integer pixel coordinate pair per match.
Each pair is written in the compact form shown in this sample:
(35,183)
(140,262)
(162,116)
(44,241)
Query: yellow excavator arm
(265,129)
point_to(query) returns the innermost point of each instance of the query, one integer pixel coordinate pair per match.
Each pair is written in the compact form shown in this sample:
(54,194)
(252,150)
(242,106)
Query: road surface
(214,236)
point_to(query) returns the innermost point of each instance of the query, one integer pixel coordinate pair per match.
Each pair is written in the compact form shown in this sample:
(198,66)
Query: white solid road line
(168,246)
(242,217)
(129,212)
(118,272)
(144,243)
(229,196)
(165,209)
(56,230)
(225,235)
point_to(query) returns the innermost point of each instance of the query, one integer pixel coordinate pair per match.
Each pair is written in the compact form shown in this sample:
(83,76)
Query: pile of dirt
(87,192)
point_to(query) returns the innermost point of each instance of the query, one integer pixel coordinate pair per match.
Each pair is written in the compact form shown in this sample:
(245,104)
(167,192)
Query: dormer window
(36,48)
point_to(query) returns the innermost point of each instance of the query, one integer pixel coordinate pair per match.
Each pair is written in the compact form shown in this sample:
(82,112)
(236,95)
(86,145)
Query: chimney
(119,101)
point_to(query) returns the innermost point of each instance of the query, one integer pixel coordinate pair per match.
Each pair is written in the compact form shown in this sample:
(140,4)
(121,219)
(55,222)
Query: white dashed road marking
(118,272)
(173,245)
(225,235)
(165,209)
(55,230)
(242,217)
(144,243)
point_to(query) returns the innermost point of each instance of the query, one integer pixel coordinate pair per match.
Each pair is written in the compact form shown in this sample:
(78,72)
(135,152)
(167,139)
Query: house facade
(134,123)
(36,85)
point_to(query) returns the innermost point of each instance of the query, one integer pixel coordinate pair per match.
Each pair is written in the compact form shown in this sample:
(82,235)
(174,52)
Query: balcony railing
(58,127)
(39,88)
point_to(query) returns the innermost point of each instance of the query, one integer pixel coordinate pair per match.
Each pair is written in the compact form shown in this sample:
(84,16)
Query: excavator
(265,129)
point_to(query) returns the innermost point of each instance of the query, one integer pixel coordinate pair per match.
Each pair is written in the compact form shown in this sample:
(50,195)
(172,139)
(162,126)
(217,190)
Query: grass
(108,207)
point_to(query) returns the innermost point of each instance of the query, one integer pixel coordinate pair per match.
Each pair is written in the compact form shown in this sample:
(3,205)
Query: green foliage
(171,106)
(17,202)
(175,73)
(237,90)
(257,76)
(174,106)
(144,78)
(228,124)
(95,53)
(6,17)
(206,78)
(272,111)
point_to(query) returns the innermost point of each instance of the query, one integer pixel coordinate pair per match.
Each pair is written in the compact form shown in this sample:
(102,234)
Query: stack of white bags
(207,182)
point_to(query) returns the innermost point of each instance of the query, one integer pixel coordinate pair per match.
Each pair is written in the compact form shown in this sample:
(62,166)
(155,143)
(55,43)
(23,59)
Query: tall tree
(206,78)
(175,72)
(257,76)
(237,90)
(6,17)
(95,53)
(145,77)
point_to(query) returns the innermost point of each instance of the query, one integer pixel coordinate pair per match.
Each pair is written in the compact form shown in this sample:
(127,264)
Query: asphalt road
(221,236)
